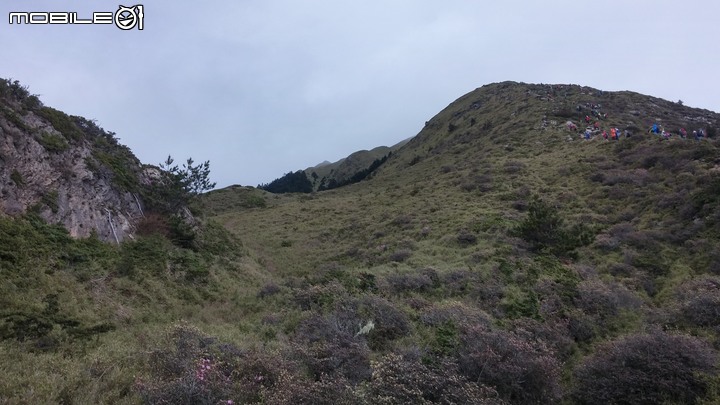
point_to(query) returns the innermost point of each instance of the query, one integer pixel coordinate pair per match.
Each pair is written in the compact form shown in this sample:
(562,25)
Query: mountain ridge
(498,257)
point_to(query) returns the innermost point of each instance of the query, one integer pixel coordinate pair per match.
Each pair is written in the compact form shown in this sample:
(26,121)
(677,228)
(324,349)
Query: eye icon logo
(127,18)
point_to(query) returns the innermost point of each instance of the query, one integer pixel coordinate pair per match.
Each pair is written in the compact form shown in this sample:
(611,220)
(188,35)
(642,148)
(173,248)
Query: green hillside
(499,230)
(331,175)
(496,258)
(356,167)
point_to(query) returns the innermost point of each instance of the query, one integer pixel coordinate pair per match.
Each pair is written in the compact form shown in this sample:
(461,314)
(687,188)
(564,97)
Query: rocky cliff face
(67,170)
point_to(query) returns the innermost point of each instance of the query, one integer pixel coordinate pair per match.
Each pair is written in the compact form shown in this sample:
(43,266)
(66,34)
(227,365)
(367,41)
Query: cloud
(262,88)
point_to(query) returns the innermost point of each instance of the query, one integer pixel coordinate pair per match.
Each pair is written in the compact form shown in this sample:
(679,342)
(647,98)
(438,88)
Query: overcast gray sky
(261,88)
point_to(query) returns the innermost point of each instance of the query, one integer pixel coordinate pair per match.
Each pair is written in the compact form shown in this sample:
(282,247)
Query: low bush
(142,257)
(268,290)
(319,297)
(400,255)
(398,379)
(153,224)
(466,238)
(646,368)
(555,334)
(53,143)
(328,346)
(292,389)
(522,371)
(193,368)
(62,123)
(605,300)
(419,281)
(700,301)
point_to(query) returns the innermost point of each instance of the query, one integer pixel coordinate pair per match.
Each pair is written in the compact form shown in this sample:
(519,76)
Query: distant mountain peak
(321,164)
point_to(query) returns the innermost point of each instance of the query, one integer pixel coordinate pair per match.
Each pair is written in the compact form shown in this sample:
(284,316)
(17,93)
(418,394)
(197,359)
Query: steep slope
(66,169)
(499,237)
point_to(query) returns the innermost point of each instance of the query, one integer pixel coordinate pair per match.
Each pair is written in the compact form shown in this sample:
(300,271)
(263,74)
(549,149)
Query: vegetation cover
(496,258)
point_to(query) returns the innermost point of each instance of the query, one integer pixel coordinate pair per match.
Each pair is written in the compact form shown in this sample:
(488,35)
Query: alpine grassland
(496,258)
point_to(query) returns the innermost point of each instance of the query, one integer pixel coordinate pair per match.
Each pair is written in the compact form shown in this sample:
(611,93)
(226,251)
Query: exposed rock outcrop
(76,175)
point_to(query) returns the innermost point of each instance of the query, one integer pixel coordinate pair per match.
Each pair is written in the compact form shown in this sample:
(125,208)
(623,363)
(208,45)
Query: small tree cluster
(292,182)
(179,185)
(171,195)
(547,232)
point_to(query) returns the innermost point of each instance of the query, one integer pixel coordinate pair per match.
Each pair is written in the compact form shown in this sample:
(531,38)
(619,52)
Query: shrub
(654,264)
(122,169)
(646,368)
(253,201)
(606,242)
(17,178)
(466,238)
(146,255)
(182,233)
(555,334)
(62,123)
(518,303)
(711,132)
(268,290)
(50,199)
(194,368)
(700,301)
(292,389)
(419,281)
(398,379)
(53,143)
(459,282)
(328,346)
(513,167)
(400,255)
(318,297)
(545,230)
(604,300)
(522,371)
(153,224)
(390,322)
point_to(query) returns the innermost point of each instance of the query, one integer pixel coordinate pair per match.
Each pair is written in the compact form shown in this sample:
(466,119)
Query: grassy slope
(106,306)
(472,171)
(470,178)
(425,249)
